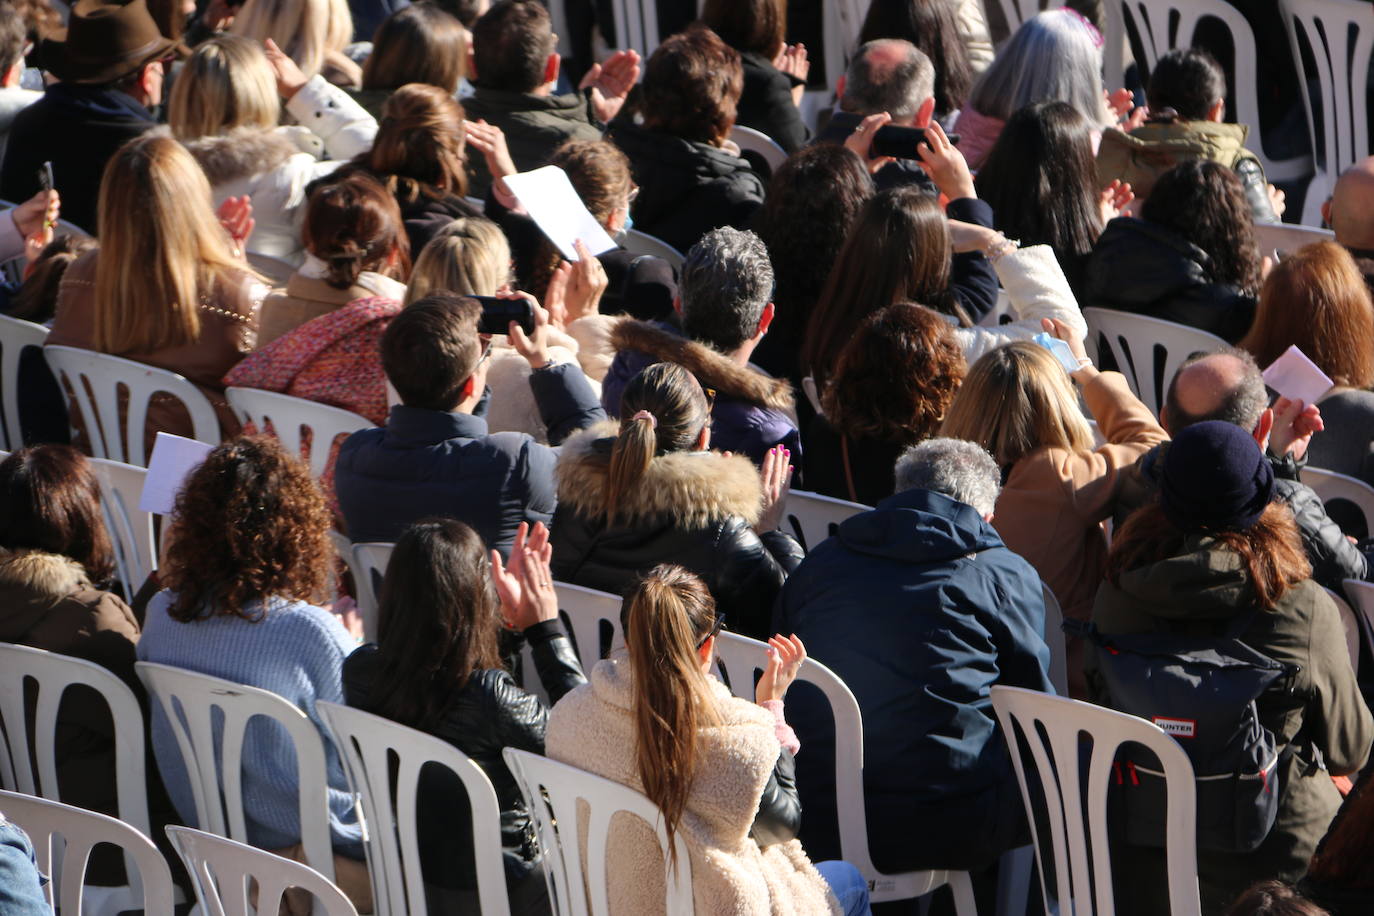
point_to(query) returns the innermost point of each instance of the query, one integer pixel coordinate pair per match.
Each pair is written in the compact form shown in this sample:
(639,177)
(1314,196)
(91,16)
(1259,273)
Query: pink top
(977,134)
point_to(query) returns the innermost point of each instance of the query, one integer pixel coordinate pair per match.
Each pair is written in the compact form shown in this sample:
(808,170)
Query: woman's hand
(1294,425)
(610,83)
(1115,198)
(1277,199)
(945,165)
(860,141)
(525,586)
(1056,328)
(792,60)
(490,141)
(785,657)
(37,213)
(776,475)
(585,283)
(290,77)
(236,216)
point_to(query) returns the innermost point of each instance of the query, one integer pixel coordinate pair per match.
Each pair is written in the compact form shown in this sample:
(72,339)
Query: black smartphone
(497,314)
(890,140)
(45,176)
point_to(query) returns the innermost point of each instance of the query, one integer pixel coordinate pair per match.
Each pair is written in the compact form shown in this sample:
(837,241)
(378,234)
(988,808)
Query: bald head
(1224,386)
(1351,211)
(890,75)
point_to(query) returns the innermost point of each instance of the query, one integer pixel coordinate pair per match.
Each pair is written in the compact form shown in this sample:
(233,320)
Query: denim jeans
(848,886)
(21,886)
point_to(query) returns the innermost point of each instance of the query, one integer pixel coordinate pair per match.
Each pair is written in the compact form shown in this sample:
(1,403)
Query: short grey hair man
(726,290)
(891,75)
(954,467)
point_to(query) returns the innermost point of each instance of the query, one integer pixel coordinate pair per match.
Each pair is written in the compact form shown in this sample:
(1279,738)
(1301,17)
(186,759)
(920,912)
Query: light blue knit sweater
(296,651)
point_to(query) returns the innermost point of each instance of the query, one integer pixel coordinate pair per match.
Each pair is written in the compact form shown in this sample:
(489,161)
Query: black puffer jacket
(1332,556)
(1138,266)
(695,509)
(488,713)
(686,189)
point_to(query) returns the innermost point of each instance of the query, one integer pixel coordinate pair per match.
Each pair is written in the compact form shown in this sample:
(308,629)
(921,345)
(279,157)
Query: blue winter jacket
(921,609)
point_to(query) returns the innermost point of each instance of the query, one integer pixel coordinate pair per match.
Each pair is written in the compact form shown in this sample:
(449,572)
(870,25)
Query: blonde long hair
(667,614)
(1016,399)
(469,256)
(161,248)
(306,30)
(225,83)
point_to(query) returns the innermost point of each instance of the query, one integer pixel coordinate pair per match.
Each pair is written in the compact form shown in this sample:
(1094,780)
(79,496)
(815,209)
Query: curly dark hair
(896,377)
(1204,202)
(251,524)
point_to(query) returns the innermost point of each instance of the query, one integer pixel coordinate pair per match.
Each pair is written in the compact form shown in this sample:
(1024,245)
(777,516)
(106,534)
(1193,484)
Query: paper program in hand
(1296,377)
(549,198)
(173,460)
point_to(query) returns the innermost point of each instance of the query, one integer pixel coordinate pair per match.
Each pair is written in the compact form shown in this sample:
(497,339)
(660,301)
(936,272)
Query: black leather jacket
(779,817)
(488,713)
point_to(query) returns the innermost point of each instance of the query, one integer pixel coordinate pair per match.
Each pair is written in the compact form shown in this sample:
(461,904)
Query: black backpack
(1201,690)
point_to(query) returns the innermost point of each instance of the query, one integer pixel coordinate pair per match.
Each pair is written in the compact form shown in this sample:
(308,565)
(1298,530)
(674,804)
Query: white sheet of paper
(173,460)
(548,196)
(1296,377)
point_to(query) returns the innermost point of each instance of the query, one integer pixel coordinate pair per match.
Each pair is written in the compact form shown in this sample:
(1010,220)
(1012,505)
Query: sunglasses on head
(715,628)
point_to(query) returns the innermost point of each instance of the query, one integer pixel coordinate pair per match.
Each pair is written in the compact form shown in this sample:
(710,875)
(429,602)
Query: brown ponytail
(668,612)
(353,224)
(663,409)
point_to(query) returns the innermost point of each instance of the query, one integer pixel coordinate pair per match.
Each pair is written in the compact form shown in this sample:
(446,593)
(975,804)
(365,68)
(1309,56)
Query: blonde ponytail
(668,612)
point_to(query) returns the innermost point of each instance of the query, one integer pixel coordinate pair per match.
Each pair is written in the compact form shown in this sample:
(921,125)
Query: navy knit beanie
(1215,478)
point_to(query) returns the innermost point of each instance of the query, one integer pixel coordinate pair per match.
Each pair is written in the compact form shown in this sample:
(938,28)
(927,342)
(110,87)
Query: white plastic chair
(222,870)
(212,752)
(552,791)
(63,837)
(98,404)
(740,659)
(1281,238)
(1054,638)
(369,569)
(1339,35)
(388,794)
(811,517)
(1350,625)
(1330,485)
(1050,728)
(1015,12)
(32,769)
(275,270)
(593,617)
(1148,351)
(16,336)
(131,529)
(756,141)
(636,25)
(1160,26)
(643,243)
(291,416)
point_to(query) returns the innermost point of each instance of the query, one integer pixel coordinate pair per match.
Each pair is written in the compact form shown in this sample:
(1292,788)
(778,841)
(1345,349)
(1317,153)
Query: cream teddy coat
(593,728)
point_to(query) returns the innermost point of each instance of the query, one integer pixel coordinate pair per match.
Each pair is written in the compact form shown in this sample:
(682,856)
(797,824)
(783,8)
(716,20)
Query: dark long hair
(50,501)
(438,618)
(1204,202)
(759,26)
(930,25)
(420,43)
(1040,179)
(897,250)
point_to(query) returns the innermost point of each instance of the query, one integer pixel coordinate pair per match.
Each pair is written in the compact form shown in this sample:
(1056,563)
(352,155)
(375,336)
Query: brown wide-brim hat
(104,40)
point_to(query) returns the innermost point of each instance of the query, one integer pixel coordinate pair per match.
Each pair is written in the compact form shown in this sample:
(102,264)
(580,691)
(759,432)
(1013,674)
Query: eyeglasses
(715,628)
(486,352)
(710,398)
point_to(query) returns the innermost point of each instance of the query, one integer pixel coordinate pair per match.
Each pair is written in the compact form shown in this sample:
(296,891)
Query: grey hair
(876,85)
(1051,58)
(957,468)
(1241,406)
(727,279)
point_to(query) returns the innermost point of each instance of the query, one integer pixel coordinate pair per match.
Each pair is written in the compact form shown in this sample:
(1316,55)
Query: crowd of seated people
(332,212)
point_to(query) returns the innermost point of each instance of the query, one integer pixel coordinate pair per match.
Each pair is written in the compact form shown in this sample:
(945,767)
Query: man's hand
(289,77)
(1294,425)
(860,141)
(610,83)
(534,347)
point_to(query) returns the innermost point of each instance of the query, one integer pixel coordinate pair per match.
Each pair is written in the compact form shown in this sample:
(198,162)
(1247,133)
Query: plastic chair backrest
(16,336)
(1350,625)
(756,141)
(275,270)
(636,25)
(638,242)
(1054,638)
(594,620)
(1016,12)
(388,793)
(99,405)
(189,700)
(290,416)
(811,517)
(221,871)
(80,831)
(739,661)
(1339,36)
(1281,238)
(131,529)
(369,569)
(1330,485)
(552,791)
(1049,728)
(1148,351)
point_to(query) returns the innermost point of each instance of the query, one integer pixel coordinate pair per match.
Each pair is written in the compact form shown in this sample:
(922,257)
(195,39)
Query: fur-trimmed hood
(32,583)
(243,152)
(712,368)
(691,488)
